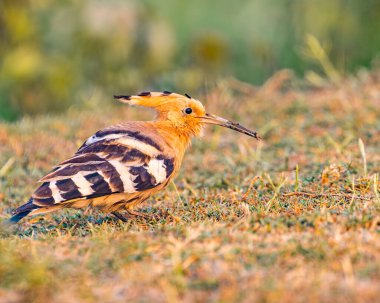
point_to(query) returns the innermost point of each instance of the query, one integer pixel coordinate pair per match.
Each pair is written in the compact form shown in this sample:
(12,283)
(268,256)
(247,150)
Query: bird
(121,166)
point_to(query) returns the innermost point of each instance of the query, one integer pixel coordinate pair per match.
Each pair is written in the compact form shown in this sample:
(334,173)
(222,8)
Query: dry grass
(293,218)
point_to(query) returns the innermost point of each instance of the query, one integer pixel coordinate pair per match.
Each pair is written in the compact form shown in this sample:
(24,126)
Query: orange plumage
(123,165)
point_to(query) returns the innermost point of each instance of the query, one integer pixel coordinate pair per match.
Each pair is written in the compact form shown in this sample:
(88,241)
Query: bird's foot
(133,213)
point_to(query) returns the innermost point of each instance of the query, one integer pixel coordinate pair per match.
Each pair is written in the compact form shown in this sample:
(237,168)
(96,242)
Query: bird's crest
(151,99)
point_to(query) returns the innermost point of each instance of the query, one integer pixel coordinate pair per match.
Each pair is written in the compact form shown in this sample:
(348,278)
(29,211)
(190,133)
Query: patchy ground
(295,217)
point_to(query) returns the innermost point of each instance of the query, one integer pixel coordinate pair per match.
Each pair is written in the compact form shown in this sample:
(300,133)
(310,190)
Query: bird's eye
(188,110)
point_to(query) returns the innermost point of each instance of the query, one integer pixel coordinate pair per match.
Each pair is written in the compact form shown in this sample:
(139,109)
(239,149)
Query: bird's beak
(211,119)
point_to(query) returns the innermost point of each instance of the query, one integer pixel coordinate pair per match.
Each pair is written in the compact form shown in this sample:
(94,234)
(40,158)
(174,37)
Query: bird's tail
(22,211)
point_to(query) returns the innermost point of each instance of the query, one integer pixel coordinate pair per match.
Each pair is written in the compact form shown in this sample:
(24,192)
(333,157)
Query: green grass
(295,217)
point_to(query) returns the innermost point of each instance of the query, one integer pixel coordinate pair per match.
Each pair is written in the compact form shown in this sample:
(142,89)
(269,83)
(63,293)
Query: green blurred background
(56,54)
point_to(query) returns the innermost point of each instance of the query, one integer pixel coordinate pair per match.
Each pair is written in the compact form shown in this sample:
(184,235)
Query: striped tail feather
(22,211)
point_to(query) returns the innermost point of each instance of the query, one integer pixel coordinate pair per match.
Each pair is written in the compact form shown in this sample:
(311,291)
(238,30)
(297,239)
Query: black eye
(188,110)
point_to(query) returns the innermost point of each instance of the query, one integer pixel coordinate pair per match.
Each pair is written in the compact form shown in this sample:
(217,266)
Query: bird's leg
(139,214)
(119,216)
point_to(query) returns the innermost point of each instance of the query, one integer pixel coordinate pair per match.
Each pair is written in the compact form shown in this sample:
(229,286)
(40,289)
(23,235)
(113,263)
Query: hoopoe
(125,164)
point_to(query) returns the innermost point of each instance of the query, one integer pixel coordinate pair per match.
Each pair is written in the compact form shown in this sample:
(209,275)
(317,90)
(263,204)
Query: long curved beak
(212,119)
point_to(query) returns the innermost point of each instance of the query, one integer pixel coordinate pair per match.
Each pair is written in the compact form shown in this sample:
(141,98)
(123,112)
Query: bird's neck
(178,137)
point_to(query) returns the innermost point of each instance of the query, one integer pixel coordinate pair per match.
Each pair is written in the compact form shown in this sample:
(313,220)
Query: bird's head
(184,113)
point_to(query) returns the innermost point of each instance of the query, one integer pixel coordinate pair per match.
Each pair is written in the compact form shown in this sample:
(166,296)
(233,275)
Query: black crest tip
(144,94)
(122,97)
(187,96)
(166,93)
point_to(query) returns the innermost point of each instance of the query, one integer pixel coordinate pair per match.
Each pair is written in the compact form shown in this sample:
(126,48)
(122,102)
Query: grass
(295,217)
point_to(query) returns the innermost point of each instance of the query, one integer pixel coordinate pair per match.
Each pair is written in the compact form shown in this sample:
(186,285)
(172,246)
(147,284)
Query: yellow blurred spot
(18,22)
(22,62)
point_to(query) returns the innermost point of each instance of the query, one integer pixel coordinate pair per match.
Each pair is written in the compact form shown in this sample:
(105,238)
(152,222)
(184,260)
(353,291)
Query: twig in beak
(211,119)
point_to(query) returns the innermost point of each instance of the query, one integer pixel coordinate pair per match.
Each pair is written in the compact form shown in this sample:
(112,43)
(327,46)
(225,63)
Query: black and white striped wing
(110,162)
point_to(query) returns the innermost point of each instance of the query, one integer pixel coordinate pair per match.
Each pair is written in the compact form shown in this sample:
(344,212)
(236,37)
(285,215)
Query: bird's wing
(112,161)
